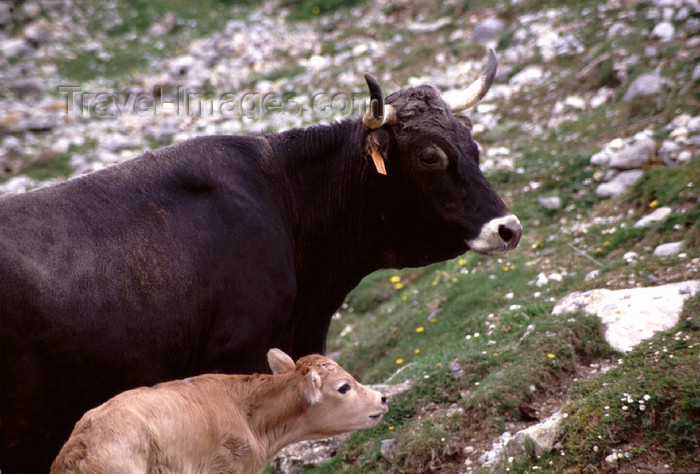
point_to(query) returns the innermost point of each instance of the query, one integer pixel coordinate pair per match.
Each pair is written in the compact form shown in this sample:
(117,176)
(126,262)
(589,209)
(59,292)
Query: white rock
(658,215)
(388,448)
(646,84)
(542,280)
(543,435)
(602,158)
(632,315)
(611,459)
(684,157)
(664,31)
(630,257)
(5,15)
(592,275)
(618,184)
(666,250)
(635,155)
(14,47)
(553,202)
(530,74)
(488,29)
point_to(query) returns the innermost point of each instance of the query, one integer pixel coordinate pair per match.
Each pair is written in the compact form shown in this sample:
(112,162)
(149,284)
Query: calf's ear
(280,363)
(312,387)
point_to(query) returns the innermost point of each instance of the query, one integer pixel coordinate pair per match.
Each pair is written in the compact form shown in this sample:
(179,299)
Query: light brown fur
(218,423)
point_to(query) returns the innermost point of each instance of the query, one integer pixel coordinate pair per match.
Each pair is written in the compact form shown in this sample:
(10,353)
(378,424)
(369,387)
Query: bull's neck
(329,200)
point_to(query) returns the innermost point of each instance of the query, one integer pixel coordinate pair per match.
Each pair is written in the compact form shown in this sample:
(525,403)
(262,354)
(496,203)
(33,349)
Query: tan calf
(220,423)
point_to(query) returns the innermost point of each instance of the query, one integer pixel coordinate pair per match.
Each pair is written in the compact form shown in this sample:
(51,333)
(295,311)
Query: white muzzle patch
(497,236)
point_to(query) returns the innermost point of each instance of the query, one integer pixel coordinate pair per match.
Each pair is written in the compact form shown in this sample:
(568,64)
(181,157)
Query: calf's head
(441,201)
(337,403)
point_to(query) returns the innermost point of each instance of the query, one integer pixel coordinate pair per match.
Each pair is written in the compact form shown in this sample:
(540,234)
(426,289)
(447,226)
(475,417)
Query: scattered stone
(658,215)
(388,448)
(492,457)
(611,460)
(529,75)
(666,250)
(39,31)
(619,184)
(456,369)
(665,31)
(542,280)
(27,86)
(164,26)
(488,29)
(305,454)
(553,202)
(635,155)
(668,152)
(631,315)
(14,47)
(644,85)
(429,27)
(5,15)
(543,435)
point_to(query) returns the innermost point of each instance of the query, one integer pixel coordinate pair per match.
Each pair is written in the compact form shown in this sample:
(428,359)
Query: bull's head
(431,164)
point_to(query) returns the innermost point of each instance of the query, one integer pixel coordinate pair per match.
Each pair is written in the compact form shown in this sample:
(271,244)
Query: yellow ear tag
(377,157)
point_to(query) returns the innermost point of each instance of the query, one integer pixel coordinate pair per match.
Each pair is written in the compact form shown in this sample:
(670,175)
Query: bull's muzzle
(497,236)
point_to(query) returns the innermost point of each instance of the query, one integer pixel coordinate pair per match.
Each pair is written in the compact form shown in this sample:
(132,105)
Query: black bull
(201,256)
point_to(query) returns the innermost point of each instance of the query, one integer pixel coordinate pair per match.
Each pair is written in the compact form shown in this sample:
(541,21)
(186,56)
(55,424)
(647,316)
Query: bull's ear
(312,387)
(280,363)
(465,121)
(377,149)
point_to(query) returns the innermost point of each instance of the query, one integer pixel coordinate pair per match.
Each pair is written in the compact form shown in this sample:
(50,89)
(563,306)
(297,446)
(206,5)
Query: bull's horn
(377,113)
(473,94)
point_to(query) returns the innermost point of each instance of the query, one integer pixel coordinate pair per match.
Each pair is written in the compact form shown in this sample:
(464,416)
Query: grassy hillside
(476,334)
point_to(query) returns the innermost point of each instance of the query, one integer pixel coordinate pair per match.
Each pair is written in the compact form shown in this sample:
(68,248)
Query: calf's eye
(344,388)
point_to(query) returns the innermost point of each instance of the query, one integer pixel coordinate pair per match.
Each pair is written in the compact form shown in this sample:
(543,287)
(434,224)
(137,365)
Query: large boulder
(632,315)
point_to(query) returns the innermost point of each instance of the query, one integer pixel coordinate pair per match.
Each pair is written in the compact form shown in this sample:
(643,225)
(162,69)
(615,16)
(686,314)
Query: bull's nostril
(505,233)
(510,232)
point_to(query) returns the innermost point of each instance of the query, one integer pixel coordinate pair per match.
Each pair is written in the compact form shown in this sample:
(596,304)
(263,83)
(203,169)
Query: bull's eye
(434,157)
(430,158)
(344,388)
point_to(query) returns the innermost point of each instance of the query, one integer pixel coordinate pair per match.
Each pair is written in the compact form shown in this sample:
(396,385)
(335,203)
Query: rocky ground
(263,73)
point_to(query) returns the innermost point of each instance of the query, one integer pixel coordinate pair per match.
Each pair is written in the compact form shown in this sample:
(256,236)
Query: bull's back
(118,279)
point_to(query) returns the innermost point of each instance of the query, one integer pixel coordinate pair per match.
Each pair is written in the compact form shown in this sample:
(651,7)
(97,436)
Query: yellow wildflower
(654,203)
(462,261)
(398,286)
(417,351)
(399,361)
(395,279)
(551,356)
(420,329)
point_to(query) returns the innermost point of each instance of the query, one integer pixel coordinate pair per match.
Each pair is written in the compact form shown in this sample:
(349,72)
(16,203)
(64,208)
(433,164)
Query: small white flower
(510,459)
(607,407)
(595,448)
(642,407)
(647,397)
(565,415)
(624,407)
